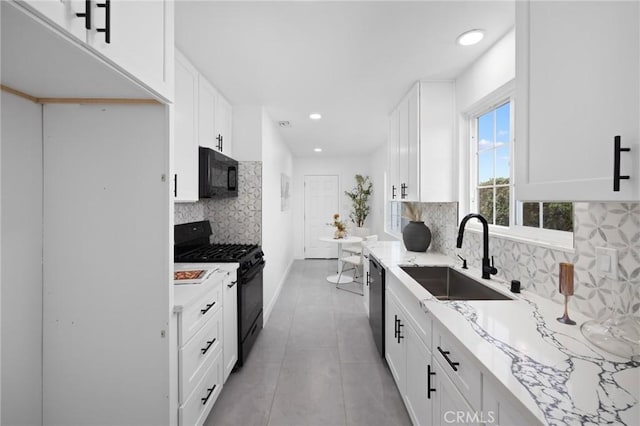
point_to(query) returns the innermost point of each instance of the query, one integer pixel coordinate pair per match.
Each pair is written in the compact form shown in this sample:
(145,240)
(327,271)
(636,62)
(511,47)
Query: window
(554,216)
(492,192)
(493,155)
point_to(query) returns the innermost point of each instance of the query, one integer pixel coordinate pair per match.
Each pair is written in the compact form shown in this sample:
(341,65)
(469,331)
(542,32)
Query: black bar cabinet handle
(453,365)
(175,184)
(429,374)
(107,21)
(368,279)
(232,284)
(617,149)
(400,336)
(395,327)
(209,392)
(86,15)
(209,306)
(206,348)
(393,192)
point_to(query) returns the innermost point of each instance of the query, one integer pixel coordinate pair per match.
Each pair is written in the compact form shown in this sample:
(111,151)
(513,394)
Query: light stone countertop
(568,380)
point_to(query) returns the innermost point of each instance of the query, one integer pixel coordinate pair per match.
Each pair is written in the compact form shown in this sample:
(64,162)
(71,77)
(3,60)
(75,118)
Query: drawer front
(459,366)
(194,356)
(194,316)
(197,407)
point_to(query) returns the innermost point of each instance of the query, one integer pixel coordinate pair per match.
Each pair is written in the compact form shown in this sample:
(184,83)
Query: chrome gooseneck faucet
(488,268)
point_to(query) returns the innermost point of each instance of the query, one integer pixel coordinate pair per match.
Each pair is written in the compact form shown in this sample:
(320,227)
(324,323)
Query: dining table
(339,278)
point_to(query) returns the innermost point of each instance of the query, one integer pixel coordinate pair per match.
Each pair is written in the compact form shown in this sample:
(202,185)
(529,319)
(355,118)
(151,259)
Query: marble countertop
(550,367)
(186,294)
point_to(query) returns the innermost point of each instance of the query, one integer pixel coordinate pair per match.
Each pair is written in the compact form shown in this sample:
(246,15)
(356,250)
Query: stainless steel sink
(445,283)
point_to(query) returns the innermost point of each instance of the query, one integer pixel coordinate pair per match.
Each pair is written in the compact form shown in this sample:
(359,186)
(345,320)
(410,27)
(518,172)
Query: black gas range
(192,246)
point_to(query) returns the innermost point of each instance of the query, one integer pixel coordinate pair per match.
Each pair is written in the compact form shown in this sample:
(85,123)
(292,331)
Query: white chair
(356,260)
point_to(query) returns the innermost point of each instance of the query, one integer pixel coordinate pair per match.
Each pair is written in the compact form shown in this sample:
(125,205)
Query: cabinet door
(393,157)
(394,341)
(409,140)
(223,124)
(449,406)
(207,95)
(417,397)
(140,39)
(499,407)
(185,147)
(63,15)
(230,323)
(577,65)
(438,171)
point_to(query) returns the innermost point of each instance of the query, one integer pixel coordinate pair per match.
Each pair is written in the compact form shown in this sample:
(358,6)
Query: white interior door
(320,203)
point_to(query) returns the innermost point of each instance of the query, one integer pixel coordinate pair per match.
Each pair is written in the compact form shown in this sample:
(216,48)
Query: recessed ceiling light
(470,37)
(317,149)
(315,116)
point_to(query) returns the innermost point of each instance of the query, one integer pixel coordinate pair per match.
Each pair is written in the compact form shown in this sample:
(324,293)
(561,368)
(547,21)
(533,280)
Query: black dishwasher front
(376,302)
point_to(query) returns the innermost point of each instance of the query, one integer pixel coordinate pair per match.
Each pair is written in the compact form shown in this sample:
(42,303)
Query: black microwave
(218,175)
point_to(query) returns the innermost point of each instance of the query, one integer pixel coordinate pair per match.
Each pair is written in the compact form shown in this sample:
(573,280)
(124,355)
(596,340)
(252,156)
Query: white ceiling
(351,61)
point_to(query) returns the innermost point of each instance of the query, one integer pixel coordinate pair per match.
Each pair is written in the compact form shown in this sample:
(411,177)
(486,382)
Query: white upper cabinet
(207,95)
(421,145)
(409,145)
(393,174)
(438,170)
(185,148)
(222,118)
(214,117)
(577,68)
(137,37)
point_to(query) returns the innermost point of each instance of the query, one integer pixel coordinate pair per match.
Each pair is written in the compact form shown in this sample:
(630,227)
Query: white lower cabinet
(196,408)
(395,350)
(419,384)
(207,342)
(439,379)
(449,406)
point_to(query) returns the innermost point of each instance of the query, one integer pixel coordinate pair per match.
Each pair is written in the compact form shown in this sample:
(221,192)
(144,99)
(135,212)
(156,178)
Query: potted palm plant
(360,209)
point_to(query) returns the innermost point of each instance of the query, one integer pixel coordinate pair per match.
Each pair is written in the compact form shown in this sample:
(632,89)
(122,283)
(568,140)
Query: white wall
(247,133)
(277,232)
(345,167)
(492,71)
(21,261)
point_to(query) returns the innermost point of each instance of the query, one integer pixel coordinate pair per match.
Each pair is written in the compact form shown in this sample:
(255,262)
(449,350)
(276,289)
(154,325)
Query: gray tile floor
(314,364)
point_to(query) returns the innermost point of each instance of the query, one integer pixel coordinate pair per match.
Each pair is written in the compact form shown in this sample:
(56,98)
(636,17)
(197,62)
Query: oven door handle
(253,272)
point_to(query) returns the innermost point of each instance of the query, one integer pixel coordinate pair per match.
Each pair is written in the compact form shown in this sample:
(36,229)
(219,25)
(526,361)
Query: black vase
(416,236)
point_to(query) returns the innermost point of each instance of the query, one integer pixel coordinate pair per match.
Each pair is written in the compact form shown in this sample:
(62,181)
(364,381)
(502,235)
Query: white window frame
(559,240)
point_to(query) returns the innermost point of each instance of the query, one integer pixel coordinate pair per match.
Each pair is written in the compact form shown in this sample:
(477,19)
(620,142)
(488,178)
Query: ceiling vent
(284,123)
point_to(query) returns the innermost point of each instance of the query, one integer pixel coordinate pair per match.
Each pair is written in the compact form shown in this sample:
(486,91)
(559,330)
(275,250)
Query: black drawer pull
(86,15)
(209,343)
(617,149)
(400,336)
(393,192)
(209,306)
(395,327)
(429,374)
(232,284)
(107,21)
(209,392)
(453,365)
